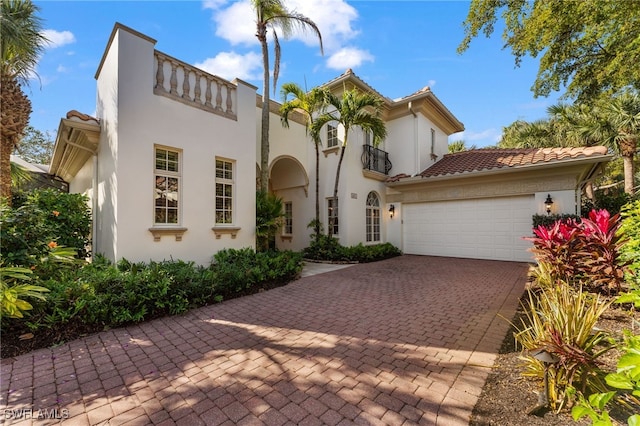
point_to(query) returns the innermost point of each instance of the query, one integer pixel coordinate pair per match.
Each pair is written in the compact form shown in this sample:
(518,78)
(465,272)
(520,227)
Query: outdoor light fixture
(392,210)
(547,359)
(548,203)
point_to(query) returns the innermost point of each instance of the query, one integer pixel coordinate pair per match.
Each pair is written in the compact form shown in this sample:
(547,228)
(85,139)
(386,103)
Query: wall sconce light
(548,203)
(392,210)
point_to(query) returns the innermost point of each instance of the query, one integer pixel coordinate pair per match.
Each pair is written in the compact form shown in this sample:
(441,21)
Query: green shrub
(328,248)
(42,218)
(237,271)
(630,229)
(550,219)
(611,200)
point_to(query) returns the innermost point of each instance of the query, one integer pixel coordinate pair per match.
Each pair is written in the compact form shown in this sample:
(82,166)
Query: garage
(476,228)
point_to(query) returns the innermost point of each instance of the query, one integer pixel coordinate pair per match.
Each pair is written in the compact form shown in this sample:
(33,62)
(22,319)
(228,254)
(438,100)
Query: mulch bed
(507,396)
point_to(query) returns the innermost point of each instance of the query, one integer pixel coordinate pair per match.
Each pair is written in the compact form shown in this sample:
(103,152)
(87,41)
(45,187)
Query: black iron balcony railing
(375,159)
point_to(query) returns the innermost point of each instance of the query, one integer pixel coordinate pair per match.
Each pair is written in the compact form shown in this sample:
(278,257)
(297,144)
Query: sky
(397,47)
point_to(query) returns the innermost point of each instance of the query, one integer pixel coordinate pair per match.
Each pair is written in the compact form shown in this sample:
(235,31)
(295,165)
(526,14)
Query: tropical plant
(630,228)
(561,321)
(613,122)
(269,218)
(582,253)
(309,104)
(459,146)
(273,14)
(353,109)
(13,291)
(626,389)
(19,175)
(21,43)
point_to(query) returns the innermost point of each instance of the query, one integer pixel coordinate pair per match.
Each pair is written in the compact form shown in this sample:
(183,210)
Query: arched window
(373,218)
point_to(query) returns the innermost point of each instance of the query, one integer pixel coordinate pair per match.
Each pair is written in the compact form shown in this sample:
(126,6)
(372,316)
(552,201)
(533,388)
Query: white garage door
(479,229)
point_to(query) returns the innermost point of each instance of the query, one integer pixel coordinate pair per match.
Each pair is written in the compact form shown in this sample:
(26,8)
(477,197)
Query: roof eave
(76,141)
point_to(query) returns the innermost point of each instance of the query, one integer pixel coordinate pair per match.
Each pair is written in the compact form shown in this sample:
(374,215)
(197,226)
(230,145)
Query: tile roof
(490,159)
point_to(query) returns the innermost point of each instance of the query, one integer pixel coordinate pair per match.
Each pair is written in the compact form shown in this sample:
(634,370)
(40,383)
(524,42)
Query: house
(171,159)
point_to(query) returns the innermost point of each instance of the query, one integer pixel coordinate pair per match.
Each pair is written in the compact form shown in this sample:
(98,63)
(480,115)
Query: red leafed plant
(584,252)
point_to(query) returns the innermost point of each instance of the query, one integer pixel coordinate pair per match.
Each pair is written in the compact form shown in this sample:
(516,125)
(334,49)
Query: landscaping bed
(507,396)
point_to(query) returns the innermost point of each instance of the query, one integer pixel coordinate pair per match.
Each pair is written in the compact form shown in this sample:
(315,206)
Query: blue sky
(398,47)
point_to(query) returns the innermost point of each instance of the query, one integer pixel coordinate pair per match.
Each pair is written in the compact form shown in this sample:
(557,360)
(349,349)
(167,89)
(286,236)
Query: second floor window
(167,186)
(332,136)
(224,191)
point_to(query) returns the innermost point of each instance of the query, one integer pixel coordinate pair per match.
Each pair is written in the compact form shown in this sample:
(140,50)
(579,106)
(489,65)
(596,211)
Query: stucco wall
(146,120)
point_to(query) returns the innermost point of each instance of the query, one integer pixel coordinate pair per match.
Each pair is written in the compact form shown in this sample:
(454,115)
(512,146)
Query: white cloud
(62,68)
(230,65)
(431,83)
(348,57)
(334,18)
(485,137)
(213,4)
(58,38)
(236,24)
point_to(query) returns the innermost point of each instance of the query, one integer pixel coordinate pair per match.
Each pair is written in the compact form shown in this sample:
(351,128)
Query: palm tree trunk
(335,187)
(629,173)
(317,224)
(264,137)
(5,168)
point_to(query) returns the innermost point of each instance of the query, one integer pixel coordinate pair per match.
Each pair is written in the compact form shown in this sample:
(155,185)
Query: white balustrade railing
(192,86)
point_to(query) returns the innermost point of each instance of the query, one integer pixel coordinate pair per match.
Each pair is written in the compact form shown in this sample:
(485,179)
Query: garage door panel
(483,228)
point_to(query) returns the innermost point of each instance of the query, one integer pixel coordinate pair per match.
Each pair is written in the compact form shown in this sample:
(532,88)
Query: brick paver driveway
(405,341)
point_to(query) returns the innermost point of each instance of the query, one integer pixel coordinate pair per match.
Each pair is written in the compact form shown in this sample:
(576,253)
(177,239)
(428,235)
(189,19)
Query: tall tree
(589,47)
(273,14)
(35,146)
(309,104)
(610,121)
(21,44)
(353,109)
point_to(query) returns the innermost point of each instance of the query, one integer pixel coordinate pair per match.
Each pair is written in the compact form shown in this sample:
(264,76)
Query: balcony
(375,160)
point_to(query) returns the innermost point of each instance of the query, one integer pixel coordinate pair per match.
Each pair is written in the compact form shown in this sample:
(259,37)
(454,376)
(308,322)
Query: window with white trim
(332,214)
(332,136)
(372,219)
(287,229)
(167,187)
(224,191)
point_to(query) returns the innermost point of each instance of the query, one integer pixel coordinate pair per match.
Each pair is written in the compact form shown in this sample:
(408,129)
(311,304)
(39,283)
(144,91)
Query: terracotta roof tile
(491,159)
(81,116)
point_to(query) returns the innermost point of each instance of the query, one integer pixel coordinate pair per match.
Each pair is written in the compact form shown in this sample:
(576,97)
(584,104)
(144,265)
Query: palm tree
(21,44)
(459,146)
(354,108)
(309,104)
(613,122)
(273,14)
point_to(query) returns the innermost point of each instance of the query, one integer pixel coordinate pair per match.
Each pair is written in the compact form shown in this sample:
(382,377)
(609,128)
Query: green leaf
(579,411)
(634,420)
(618,381)
(599,400)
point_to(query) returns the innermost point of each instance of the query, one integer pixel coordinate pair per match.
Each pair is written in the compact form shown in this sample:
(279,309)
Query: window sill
(159,232)
(221,230)
(287,237)
(333,149)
